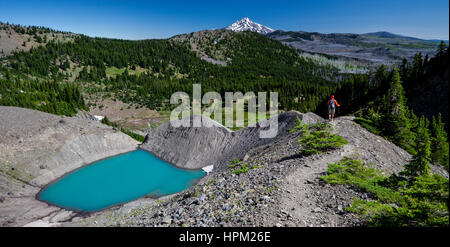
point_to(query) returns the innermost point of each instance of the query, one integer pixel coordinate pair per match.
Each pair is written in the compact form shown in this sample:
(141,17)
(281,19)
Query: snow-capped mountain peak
(245,24)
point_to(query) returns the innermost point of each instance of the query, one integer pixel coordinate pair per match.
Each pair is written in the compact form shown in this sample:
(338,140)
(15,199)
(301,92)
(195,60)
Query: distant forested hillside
(44,95)
(147,72)
(22,38)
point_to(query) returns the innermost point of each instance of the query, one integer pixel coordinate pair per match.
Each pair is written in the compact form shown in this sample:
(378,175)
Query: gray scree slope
(197,147)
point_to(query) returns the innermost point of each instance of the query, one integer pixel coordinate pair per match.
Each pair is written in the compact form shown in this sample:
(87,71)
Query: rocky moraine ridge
(283,188)
(194,148)
(37,148)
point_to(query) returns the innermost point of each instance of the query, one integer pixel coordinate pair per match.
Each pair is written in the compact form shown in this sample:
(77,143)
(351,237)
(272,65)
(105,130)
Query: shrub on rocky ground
(395,201)
(240,167)
(316,138)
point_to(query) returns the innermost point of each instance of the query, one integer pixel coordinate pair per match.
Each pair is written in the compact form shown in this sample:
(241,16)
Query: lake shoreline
(133,159)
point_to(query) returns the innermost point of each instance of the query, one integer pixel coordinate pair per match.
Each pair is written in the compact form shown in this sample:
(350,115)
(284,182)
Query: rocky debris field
(283,188)
(259,197)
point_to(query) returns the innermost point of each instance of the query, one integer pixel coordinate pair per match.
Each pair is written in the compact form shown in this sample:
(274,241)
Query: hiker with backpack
(332,104)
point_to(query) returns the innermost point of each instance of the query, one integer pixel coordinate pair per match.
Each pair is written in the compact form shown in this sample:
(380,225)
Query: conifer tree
(404,68)
(396,125)
(382,78)
(419,164)
(441,49)
(417,65)
(439,142)
(413,125)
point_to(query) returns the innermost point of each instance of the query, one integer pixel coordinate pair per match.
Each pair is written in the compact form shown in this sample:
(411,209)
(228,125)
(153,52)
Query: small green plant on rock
(240,166)
(270,189)
(212,181)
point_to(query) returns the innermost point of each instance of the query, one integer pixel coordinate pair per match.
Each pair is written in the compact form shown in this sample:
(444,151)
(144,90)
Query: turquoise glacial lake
(118,179)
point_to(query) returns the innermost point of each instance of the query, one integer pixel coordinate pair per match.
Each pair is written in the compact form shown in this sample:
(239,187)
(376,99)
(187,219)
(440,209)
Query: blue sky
(138,19)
